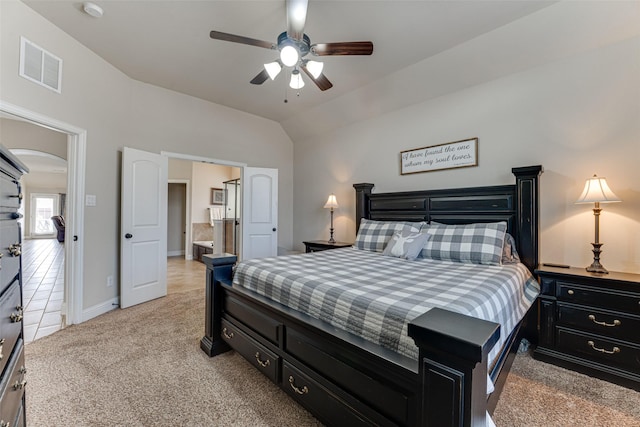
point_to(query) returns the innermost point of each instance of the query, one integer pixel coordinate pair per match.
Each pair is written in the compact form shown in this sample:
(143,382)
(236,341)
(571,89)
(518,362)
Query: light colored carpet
(143,367)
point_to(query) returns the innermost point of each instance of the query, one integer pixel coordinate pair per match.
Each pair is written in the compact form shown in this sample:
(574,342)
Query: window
(43,207)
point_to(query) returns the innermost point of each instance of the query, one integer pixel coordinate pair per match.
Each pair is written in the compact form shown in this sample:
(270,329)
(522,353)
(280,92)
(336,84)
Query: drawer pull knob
(570,291)
(15,249)
(602,350)
(20,385)
(262,363)
(227,335)
(303,390)
(616,322)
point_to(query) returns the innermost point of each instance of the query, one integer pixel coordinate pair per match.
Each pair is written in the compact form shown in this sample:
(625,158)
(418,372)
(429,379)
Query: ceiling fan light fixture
(289,56)
(273,69)
(315,68)
(296,80)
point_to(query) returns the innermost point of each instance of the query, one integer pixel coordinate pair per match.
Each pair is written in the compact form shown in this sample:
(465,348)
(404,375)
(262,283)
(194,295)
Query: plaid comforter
(376,296)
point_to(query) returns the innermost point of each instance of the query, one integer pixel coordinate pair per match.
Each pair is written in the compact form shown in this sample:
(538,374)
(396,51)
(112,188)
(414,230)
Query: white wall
(576,114)
(119,112)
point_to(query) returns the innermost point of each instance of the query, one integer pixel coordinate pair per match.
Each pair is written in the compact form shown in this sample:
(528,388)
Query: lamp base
(595,266)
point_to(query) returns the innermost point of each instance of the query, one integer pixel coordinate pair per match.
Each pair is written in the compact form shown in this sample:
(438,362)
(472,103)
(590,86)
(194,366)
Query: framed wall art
(218,196)
(457,154)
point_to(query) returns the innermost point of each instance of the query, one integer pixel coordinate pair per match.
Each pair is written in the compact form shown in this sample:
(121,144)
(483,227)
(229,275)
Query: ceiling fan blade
(296,18)
(322,82)
(217,35)
(342,48)
(260,78)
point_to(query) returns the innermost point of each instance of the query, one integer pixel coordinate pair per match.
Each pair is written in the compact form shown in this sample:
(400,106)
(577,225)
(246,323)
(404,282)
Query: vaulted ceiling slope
(422,49)
(167,43)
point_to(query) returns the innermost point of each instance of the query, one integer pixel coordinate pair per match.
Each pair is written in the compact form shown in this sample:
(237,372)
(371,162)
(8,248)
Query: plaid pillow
(469,243)
(374,235)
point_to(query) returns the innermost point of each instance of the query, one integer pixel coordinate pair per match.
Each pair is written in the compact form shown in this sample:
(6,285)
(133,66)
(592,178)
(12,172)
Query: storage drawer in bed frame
(281,351)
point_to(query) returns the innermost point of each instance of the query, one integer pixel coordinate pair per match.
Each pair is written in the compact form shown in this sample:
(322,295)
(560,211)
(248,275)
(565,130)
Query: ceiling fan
(294,45)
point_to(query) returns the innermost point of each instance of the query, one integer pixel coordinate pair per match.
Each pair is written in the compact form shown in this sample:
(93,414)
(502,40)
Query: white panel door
(259,213)
(143,247)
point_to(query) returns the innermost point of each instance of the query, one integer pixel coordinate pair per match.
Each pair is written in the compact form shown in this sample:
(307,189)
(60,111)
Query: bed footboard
(447,387)
(219,268)
(453,350)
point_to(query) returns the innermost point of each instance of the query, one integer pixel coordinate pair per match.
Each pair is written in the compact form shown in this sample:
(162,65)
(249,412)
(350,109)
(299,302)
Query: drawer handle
(602,350)
(20,385)
(227,335)
(262,363)
(15,249)
(303,390)
(616,322)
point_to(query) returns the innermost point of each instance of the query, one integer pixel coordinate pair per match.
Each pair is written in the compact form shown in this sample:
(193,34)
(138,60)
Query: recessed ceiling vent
(40,66)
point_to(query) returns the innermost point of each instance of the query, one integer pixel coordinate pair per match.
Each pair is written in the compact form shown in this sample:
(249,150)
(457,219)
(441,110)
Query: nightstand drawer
(601,322)
(608,352)
(599,297)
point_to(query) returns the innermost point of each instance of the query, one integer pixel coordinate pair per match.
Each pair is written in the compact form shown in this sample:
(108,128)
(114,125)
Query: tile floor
(42,287)
(43,284)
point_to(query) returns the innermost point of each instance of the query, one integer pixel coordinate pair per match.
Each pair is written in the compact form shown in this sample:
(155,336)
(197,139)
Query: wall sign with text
(457,154)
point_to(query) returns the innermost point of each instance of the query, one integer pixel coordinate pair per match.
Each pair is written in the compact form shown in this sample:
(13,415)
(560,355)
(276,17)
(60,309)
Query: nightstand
(323,245)
(590,323)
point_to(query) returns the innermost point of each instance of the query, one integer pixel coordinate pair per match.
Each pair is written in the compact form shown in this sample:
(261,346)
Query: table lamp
(332,204)
(597,191)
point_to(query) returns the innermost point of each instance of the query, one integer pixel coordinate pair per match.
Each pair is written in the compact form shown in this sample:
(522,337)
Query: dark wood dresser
(12,366)
(591,323)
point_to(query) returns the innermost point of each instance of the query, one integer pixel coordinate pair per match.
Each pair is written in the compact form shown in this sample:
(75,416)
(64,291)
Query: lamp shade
(296,80)
(332,203)
(315,68)
(597,190)
(273,69)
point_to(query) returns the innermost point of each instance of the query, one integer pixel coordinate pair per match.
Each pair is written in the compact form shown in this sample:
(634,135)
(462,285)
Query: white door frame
(187,213)
(76,158)
(200,159)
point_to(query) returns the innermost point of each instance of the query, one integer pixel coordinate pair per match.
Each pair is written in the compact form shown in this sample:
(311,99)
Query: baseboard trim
(98,309)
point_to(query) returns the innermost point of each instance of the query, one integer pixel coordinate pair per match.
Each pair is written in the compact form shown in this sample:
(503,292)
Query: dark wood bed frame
(345,380)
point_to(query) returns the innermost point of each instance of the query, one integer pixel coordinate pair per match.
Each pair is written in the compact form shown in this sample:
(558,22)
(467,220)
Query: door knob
(128,236)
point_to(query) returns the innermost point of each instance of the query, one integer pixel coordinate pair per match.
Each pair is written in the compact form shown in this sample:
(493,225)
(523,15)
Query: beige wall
(575,114)
(119,112)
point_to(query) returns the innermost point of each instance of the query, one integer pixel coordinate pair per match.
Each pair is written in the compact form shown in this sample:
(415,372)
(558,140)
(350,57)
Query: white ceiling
(39,161)
(167,44)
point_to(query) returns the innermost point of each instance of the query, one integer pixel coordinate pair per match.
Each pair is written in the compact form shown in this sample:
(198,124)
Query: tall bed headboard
(516,204)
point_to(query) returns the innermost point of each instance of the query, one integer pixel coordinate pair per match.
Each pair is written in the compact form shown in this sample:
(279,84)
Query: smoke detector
(92,9)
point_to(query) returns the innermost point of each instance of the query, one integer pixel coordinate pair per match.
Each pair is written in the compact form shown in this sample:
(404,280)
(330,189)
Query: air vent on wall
(40,66)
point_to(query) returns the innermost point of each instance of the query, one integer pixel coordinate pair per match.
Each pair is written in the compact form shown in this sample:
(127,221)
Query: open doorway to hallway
(203,216)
